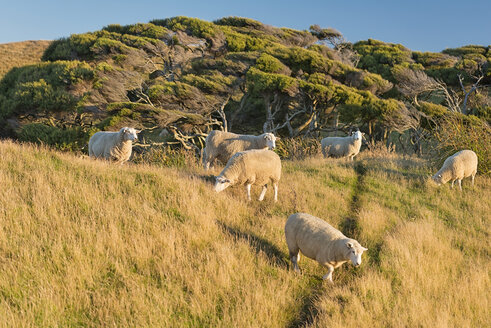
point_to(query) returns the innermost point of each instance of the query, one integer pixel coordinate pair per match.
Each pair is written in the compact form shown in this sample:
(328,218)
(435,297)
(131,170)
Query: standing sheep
(320,241)
(342,146)
(223,145)
(460,165)
(251,167)
(116,146)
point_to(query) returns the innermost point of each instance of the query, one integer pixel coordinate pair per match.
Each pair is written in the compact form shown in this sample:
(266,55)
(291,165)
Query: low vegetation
(19,54)
(88,243)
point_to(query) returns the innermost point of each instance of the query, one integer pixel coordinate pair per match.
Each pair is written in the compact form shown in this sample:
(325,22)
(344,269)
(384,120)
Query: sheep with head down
(114,146)
(320,241)
(460,165)
(255,166)
(223,145)
(342,146)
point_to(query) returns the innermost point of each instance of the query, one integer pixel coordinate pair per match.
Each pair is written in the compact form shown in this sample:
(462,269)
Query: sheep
(320,241)
(255,166)
(223,145)
(460,165)
(342,146)
(116,146)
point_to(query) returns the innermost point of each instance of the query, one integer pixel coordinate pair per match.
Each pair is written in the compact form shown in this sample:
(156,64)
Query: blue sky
(419,25)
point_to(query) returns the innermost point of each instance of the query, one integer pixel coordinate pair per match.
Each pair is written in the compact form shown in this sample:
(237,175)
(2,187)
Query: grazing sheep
(460,165)
(342,146)
(256,166)
(320,241)
(223,145)
(114,146)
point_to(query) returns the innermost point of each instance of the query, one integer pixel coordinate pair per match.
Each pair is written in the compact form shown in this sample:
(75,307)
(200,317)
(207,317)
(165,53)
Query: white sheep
(342,146)
(460,165)
(223,145)
(115,146)
(318,240)
(251,167)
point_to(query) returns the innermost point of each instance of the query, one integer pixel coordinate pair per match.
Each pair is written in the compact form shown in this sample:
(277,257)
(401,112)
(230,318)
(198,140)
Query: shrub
(297,148)
(456,132)
(72,139)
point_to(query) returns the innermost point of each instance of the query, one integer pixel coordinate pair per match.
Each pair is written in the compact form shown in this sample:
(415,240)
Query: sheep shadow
(275,255)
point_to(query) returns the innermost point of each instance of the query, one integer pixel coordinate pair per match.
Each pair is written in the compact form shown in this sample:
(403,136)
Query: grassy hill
(87,243)
(17,54)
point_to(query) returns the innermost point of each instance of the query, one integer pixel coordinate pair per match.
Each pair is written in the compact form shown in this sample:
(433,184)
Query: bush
(71,139)
(297,148)
(456,132)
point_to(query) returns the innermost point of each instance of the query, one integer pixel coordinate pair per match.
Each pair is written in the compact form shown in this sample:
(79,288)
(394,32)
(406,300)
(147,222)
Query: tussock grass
(17,54)
(88,243)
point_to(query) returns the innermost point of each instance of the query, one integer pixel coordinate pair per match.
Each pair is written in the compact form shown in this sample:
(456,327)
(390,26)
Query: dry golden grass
(17,54)
(88,243)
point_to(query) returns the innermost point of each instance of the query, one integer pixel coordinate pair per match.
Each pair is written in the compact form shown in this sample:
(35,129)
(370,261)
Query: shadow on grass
(259,244)
(308,310)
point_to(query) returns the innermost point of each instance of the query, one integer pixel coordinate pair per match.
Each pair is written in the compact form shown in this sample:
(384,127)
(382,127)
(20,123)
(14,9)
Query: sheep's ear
(138,131)
(364,248)
(349,244)
(277,138)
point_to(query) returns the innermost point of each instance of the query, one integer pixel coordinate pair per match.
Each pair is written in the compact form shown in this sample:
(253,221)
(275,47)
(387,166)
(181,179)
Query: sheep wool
(251,167)
(223,145)
(115,146)
(460,165)
(342,146)
(318,240)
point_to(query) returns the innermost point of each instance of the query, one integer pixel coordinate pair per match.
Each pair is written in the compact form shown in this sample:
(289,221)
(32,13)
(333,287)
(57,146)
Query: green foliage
(178,89)
(71,139)
(239,22)
(270,64)
(237,42)
(206,83)
(470,49)
(297,148)
(148,30)
(43,87)
(196,27)
(378,57)
(269,83)
(434,60)
(457,131)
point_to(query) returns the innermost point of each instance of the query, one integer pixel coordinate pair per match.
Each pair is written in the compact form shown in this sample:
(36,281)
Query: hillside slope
(17,54)
(86,243)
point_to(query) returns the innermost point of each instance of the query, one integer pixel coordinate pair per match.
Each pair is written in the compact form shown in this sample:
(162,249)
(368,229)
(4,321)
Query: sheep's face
(357,135)
(222,183)
(355,251)
(438,179)
(130,134)
(270,140)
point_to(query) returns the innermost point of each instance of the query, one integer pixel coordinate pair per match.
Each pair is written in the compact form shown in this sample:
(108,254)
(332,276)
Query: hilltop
(188,76)
(87,243)
(17,54)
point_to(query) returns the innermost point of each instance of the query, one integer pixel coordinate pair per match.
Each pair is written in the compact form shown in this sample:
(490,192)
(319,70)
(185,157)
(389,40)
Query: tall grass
(88,243)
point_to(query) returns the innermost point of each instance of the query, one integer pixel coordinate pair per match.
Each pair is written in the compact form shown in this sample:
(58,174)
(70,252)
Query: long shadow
(351,227)
(259,244)
(308,311)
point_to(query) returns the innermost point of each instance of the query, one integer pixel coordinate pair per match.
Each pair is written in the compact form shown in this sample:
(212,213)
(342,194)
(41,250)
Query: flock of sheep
(250,160)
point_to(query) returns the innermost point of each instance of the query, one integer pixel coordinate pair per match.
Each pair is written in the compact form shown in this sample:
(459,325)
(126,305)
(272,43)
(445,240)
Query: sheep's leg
(275,187)
(295,257)
(473,176)
(451,186)
(248,188)
(263,192)
(328,275)
(459,181)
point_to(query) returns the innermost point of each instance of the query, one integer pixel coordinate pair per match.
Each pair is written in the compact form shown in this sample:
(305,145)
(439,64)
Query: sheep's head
(355,250)
(222,183)
(270,140)
(357,135)
(438,179)
(129,133)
